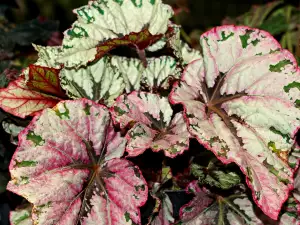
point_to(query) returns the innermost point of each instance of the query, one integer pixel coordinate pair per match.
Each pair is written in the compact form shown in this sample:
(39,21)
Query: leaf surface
(68,166)
(158,75)
(291,212)
(45,80)
(243,107)
(153,127)
(104,25)
(164,210)
(21,216)
(207,209)
(162,213)
(47,57)
(215,176)
(99,81)
(181,49)
(13,130)
(18,99)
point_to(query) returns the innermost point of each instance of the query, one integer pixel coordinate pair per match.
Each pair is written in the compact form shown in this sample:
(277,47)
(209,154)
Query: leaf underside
(45,80)
(20,100)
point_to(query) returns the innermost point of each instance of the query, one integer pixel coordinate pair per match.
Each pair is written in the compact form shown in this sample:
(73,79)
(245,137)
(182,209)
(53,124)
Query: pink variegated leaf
(153,127)
(68,166)
(209,209)
(241,102)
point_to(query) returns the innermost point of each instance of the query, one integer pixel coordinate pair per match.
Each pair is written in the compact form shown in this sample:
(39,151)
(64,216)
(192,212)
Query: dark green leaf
(275,24)
(4,178)
(216,176)
(29,32)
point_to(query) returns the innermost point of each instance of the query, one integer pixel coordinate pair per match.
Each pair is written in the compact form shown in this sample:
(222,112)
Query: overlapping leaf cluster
(16,39)
(102,98)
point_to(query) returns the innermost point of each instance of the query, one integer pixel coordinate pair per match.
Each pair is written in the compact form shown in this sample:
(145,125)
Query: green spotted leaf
(158,75)
(68,166)
(105,25)
(243,107)
(21,216)
(100,81)
(291,212)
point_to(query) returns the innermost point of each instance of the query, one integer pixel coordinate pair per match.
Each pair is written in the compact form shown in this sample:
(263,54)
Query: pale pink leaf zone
(68,161)
(153,125)
(240,103)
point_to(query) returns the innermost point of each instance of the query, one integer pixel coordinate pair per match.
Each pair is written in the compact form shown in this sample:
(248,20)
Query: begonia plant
(123,85)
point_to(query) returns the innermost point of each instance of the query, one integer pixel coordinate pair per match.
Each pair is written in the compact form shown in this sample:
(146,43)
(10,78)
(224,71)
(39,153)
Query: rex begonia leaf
(21,216)
(181,49)
(45,80)
(163,210)
(207,209)
(162,213)
(291,212)
(160,44)
(291,209)
(157,76)
(99,81)
(68,166)
(153,127)
(13,130)
(47,57)
(296,191)
(20,100)
(241,103)
(189,54)
(215,176)
(104,25)
(294,157)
